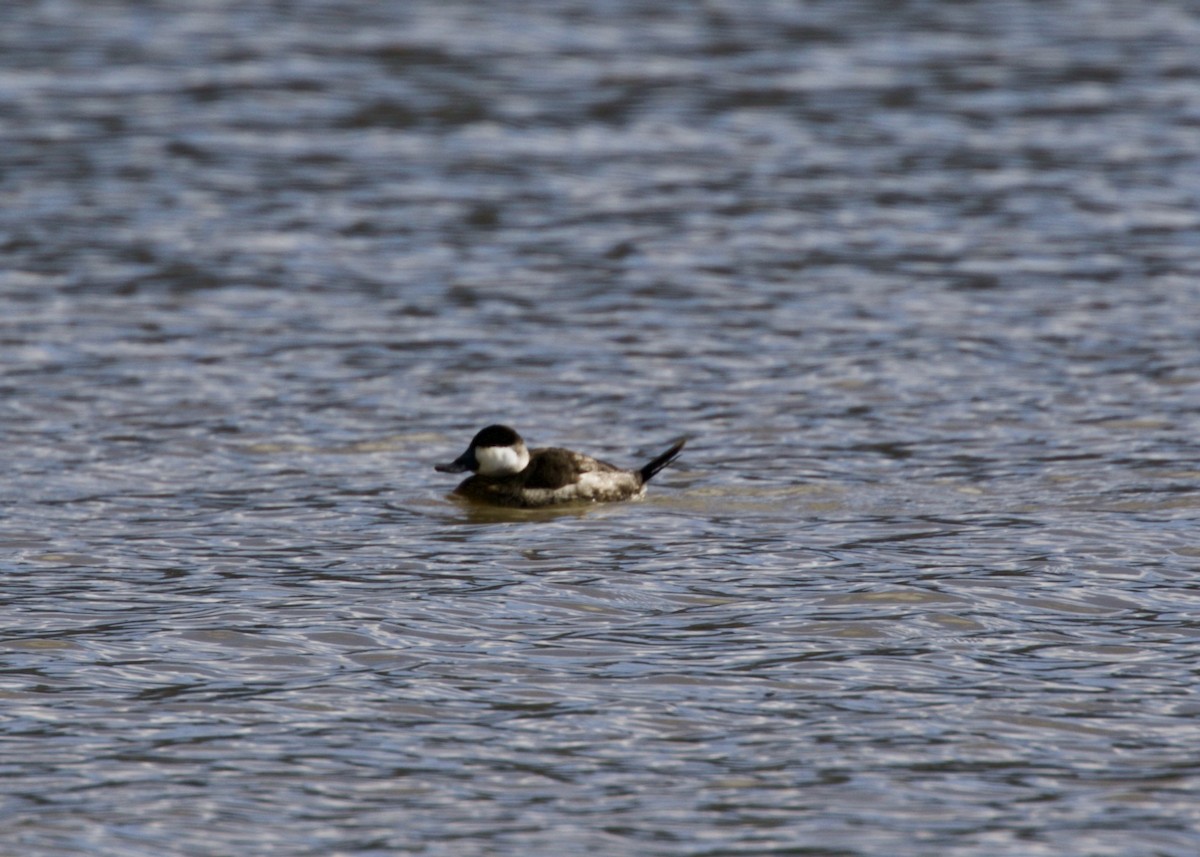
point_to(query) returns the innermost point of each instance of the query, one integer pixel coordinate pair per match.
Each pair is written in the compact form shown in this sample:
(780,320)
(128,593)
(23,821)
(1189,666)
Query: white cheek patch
(500,460)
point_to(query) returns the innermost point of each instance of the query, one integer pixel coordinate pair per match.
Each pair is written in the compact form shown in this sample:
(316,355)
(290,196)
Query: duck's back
(553,468)
(555,476)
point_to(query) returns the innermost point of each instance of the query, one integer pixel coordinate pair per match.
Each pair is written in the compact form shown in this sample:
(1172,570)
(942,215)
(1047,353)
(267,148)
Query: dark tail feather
(662,461)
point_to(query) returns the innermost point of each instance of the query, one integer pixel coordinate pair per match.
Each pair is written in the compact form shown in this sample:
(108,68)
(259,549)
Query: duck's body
(508,474)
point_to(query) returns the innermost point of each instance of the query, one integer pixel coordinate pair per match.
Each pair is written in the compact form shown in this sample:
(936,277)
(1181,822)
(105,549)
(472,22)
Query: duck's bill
(452,467)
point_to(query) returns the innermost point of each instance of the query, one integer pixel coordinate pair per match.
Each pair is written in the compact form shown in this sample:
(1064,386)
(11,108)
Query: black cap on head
(496,435)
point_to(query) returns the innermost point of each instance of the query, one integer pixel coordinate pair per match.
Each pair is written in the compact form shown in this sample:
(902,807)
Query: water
(921,281)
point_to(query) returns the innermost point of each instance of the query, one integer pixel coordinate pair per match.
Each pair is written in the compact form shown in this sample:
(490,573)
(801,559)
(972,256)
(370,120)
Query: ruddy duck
(508,474)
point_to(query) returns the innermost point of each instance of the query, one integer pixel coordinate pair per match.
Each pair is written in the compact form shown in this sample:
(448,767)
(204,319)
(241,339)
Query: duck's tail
(661,461)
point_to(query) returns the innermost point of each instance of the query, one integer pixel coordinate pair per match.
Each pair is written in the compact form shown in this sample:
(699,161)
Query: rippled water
(922,281)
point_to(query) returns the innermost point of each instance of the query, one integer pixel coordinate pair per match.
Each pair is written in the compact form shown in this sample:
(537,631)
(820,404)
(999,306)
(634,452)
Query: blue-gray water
(922,280)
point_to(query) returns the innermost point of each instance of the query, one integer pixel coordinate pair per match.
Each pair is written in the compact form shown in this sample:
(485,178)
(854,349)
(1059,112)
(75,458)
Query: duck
(506,473)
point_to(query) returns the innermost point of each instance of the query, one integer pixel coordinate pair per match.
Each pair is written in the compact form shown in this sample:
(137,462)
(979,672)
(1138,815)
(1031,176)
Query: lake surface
(920,280)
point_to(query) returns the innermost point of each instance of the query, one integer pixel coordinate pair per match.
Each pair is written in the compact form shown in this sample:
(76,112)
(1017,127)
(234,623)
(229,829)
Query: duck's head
(494,451)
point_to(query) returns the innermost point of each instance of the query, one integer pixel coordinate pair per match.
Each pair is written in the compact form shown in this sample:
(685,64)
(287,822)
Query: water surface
(921,281)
